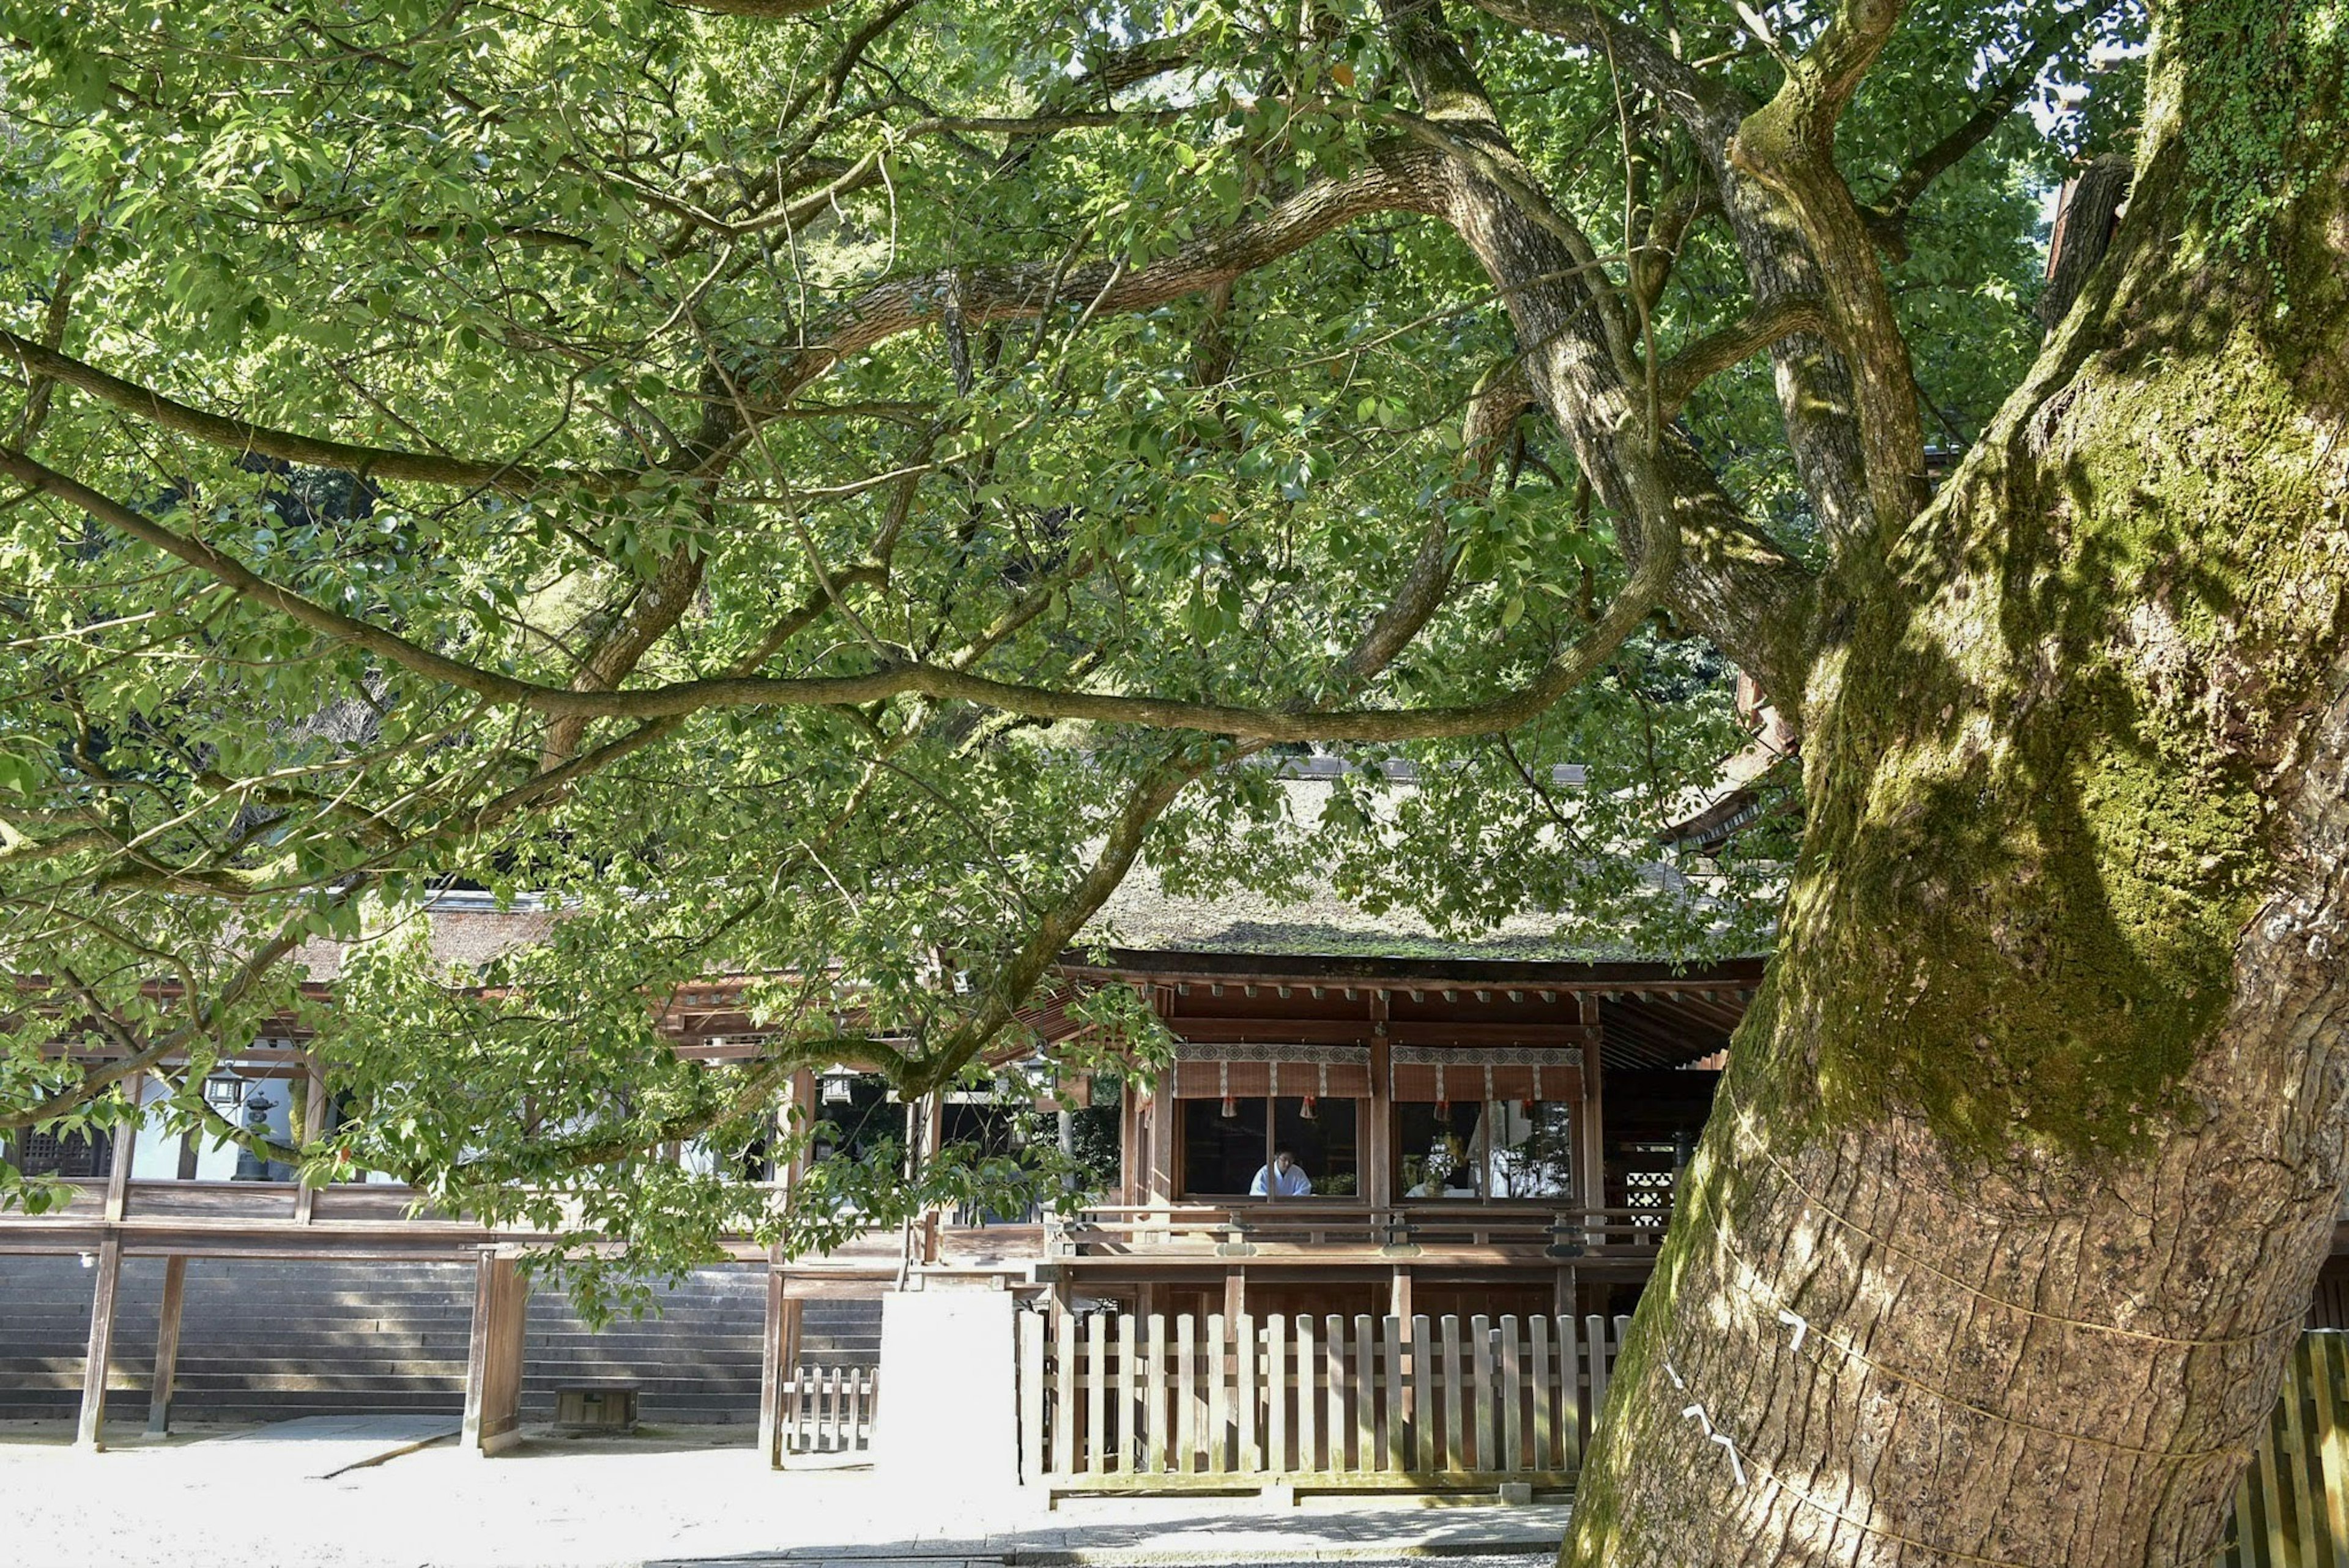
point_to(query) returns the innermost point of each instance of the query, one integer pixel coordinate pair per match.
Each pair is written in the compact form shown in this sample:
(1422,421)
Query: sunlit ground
(213,1495)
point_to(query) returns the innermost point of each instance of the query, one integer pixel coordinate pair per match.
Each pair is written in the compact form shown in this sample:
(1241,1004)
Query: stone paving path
(687,1498)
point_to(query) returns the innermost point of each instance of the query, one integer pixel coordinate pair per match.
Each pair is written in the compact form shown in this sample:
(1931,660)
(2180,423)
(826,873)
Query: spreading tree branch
(1788,146)
(40,363)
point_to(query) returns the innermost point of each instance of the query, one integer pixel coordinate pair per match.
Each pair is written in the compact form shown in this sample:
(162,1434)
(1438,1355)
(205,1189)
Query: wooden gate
(1160,1404)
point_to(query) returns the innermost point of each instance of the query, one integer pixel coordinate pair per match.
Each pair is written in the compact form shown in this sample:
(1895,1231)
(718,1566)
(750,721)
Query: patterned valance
(1204,1071)
(1423,1073)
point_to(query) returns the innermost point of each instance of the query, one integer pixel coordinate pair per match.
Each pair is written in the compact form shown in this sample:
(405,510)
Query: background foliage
(578,253)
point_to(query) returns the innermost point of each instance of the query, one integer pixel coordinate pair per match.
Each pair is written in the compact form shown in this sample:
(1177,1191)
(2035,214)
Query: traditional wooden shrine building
(1484,1140)
(1501,1132)
(1476,1133)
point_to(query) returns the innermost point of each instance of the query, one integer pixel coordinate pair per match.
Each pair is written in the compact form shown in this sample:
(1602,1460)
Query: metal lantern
(225,1090)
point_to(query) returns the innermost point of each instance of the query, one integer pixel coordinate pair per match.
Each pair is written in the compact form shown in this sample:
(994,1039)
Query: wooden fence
(2292,1508)
(1181,1403)
(829,1409)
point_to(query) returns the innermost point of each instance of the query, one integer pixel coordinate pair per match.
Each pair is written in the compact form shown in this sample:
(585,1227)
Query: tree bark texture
(2030,1148)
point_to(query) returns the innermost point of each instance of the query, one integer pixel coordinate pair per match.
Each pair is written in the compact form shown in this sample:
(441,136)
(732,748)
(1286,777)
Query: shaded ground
(681,1498)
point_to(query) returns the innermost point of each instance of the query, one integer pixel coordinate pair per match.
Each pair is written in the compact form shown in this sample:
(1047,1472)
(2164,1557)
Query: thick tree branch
(2083,231)
(1555,680)
(368,462)
(1731,579)
(1788,146)
(1710,108)
(1397,177)
(1733,344)
(1814,391)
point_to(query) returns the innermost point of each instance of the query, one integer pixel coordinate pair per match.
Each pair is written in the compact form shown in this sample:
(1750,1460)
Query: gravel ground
(684,1497)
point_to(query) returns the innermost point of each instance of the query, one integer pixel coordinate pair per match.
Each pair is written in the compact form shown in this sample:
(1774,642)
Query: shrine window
(71,1155)
(1485,1148)
(1240,1104)
(1227,1142)
(1485,1122)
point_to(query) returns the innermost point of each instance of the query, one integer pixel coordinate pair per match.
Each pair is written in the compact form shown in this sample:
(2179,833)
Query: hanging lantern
(225,1090)
(1443,1110)
(1231,1110)
(1306,1110)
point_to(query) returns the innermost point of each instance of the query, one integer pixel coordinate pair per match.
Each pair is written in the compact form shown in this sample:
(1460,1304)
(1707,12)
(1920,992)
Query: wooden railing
(1310,1224)
(2291,1510)
(830,1409)
(1175,1404)
(160,1215)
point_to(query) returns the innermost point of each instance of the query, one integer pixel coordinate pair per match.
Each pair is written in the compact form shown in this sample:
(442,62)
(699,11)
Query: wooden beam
(90,1432)
(167,1347)
(492,1422)
(1267,1029)
(1235,1295)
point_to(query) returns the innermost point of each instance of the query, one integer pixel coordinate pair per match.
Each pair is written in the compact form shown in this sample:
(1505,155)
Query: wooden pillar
(1235,1297)
(1129,1143)
(933,1135)
(1377,1185)
(314,1113)
(91,1431)
(1160,1115)
(799,1117)
(493,1364)
(778,1362)
(1592,1177)
(1563,1292)
(167,1347)
(1399,1295)
(126,1145)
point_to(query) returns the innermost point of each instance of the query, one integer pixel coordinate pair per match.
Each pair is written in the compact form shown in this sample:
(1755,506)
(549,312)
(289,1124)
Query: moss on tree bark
(2032,1146)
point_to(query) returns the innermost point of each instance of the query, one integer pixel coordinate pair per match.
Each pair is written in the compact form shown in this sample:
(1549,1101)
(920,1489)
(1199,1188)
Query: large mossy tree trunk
(2029,1152)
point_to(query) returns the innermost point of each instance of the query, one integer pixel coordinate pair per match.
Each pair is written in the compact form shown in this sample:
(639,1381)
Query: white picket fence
(829,1409)
(1160,1404)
